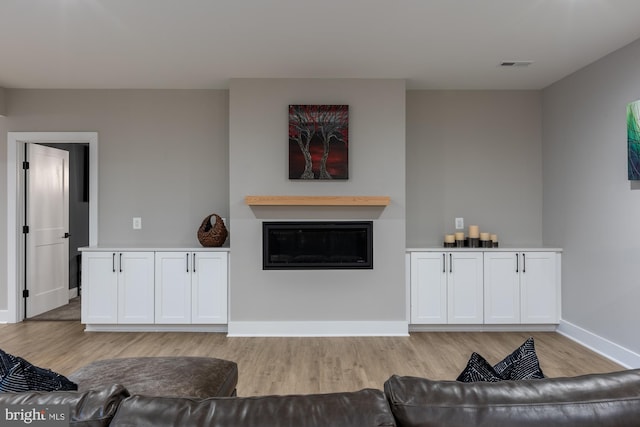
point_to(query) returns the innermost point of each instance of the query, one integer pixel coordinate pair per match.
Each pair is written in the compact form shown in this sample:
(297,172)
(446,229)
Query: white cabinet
(446,287)
(465,303)
(484,286)
(191,287)
(118,287)
(428,288)
(521,287)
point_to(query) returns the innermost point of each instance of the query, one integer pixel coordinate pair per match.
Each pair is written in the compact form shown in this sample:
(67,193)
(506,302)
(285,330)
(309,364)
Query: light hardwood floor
(299,365)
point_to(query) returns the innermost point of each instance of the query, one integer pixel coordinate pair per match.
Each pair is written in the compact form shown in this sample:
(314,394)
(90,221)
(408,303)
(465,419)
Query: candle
(484,236)
(449,238)
(494,237)
(459,235)
(473,231)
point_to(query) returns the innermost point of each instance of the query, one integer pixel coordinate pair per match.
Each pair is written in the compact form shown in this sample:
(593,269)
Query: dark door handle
(66,236)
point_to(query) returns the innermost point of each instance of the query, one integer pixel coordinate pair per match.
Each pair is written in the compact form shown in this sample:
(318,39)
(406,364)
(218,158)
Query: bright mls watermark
(34,415)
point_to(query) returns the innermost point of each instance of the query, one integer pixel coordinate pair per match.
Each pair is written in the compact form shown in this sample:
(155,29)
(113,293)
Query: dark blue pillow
(522,364)
(478,369)
(16,375)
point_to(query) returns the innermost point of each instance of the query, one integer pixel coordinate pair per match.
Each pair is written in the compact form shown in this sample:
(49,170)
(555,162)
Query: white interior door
(48,220)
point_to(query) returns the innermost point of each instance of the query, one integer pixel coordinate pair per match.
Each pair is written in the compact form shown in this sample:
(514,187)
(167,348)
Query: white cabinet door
(501,288)
(465,300)
(539,287)
(428,288)
(100,288)
(173,288)
(135,287)
(209,287)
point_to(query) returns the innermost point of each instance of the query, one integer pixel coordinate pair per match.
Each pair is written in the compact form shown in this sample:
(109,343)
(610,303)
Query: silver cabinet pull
(193,261)
(187,262)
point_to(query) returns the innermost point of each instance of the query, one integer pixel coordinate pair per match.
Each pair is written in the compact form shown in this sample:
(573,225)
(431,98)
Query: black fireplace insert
(317,245)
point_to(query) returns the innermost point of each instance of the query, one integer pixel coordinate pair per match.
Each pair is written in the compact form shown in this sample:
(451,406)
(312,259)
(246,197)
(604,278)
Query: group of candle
(485,239)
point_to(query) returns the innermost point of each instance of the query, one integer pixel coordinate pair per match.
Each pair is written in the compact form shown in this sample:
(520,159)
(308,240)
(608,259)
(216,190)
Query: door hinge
(25,293)
(25,229)
(25,165)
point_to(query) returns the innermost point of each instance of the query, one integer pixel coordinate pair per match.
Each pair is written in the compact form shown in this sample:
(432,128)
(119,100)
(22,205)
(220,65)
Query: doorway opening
(15,243)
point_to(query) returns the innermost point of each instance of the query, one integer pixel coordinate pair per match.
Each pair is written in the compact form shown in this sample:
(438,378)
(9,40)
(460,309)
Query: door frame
(15,258)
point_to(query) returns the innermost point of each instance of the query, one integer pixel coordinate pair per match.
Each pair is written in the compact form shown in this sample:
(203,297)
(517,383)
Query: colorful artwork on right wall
(633,140)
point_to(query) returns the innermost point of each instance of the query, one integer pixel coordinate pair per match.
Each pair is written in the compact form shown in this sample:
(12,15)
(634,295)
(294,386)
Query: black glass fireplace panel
(317,245)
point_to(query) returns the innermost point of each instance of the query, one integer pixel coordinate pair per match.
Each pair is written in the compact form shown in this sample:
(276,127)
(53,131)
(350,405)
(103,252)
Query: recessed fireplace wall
(311,245)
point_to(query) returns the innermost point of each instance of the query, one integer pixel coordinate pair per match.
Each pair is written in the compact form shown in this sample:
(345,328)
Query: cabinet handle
(444,263)
(193,261)
(517,263)
(113,262)
(120,262)
(450,263)
(524,264)
(187,262)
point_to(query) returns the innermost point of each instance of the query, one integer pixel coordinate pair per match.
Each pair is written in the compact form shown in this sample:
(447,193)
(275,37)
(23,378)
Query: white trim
(73,292)
(600,345)
(318,329)
(4,314)
(154,328)
(484,328)
(14,139)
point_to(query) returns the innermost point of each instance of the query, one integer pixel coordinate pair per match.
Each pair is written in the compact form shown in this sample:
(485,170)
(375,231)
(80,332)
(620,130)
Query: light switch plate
(137,223)
(459,223)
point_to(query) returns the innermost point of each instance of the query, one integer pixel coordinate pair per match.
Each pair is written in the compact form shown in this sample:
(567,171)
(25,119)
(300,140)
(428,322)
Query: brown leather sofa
(611,399)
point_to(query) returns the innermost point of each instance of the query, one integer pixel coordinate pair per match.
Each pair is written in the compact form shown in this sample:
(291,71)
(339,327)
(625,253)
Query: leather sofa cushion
(199,377)
(93,408)
(611,399)
(363,408)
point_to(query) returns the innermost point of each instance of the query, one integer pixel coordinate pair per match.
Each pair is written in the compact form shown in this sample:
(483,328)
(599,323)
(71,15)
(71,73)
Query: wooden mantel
(317,200)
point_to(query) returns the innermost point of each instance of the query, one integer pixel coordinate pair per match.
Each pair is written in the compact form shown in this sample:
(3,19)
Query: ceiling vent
(515,63)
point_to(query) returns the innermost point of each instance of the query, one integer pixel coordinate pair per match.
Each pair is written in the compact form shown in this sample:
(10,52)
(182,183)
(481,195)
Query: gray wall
(590,208)
(475,155)
(163,156)
(259,163)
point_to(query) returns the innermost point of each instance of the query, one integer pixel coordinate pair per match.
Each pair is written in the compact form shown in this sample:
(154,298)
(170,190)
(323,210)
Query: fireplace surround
(314,245)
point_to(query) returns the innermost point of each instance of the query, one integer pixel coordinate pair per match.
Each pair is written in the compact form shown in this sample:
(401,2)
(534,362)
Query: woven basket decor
(212,235)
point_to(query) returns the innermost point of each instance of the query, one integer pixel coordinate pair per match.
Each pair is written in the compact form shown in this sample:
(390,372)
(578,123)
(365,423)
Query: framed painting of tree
(318,142)
(633,140)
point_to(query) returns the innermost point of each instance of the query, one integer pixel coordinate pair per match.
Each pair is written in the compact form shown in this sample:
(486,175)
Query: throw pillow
(522,364)
(478,369)
(19,375)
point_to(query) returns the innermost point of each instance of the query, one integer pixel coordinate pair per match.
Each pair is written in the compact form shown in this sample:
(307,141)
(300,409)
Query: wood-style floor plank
(299,365)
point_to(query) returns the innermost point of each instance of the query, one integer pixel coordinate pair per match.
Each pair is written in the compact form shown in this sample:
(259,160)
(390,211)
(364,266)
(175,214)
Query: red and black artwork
(318,141)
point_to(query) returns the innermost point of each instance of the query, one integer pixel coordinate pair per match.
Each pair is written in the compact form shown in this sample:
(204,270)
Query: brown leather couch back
(598,400)
(365,408)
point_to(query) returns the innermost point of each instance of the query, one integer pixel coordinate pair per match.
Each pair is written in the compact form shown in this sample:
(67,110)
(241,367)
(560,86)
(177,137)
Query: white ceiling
(433,44)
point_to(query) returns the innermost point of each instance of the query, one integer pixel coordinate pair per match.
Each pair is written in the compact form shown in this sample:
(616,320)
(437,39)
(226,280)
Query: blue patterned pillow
(16,375)
(522,364)
(478,369)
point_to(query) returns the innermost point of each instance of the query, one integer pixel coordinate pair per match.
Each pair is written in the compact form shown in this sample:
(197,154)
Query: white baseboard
(484,328)
(602,346)
(73,292)
(4,316)
(318,329)
(154,328)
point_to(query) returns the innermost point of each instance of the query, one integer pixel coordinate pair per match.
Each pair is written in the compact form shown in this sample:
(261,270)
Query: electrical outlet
(137,223)
(459,223)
